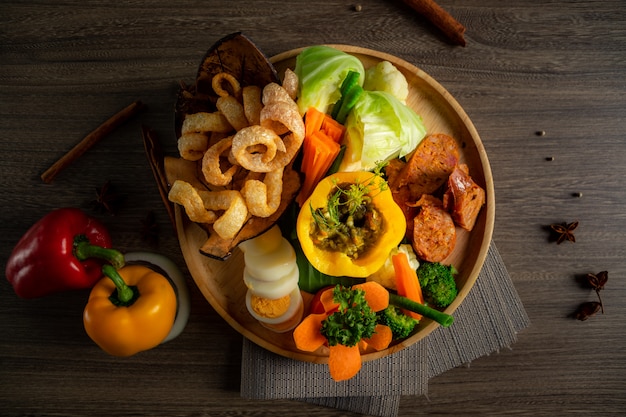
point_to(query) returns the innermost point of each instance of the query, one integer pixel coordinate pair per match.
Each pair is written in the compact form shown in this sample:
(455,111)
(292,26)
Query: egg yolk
(269,308)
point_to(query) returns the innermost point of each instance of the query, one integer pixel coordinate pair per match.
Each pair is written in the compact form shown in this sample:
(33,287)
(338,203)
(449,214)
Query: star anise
(565,231)
(107,200)
(586,310)
(597,282)
(150,229)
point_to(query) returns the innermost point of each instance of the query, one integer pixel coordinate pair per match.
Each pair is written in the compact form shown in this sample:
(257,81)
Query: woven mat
(488,320)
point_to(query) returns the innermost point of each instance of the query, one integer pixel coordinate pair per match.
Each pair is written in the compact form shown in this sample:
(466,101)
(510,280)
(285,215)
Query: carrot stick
(313,120)
(328,153)
(344,362)
(406,281)
(333,128)
(307,335)
(381,338)
(376,295)
(319,152)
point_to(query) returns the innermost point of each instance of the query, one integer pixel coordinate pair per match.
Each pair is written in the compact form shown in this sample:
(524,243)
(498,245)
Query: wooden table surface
(557,67)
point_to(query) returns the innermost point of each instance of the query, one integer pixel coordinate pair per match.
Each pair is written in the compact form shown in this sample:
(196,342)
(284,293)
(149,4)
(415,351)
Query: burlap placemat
(488,319)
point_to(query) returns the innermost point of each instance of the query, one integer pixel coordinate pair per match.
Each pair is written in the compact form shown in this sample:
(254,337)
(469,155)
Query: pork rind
(204,122)
(259,149)
(225,84)
(187,196)
(263,198)
(290,83)
(235,211)
(212,163)
(233,111)
(244,152)
(252,105)
(192,146)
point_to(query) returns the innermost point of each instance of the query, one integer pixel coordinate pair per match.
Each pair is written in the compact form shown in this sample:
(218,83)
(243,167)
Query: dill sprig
(346,200)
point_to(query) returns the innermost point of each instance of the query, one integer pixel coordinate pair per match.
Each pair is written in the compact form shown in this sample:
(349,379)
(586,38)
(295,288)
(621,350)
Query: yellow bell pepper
(338,263)
(130,310)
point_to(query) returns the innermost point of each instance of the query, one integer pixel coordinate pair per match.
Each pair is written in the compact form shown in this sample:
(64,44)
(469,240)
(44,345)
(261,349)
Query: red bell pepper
(62,251)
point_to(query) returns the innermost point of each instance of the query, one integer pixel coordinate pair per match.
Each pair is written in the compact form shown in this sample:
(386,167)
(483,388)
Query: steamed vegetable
(438,283)
(353,321)
(404,303)
(386,275)
(380,128)
(400,324)
(384,76)
(350,93)
(319,149)
(344,362)
(381,338)
(350,82)
(349,321)
(321,71)
(406,281)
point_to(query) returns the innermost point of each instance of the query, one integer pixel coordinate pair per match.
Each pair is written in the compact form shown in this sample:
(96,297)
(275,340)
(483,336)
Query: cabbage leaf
(379,128)
(321,70)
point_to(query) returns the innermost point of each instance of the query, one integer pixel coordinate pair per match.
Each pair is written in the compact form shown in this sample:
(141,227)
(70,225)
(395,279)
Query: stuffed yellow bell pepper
(350,224)
(130,310)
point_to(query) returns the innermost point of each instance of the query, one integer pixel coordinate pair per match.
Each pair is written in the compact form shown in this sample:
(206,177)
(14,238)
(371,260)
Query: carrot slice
(344,362)
(406,281)
(326,298)
(363,347)
(376,295)
(381,338)
(308,336)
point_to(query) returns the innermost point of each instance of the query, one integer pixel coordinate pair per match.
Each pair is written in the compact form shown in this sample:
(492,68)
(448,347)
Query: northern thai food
(373,217)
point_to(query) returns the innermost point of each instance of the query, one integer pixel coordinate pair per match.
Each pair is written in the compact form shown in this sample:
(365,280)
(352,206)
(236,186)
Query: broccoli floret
(400,324)
(437,282)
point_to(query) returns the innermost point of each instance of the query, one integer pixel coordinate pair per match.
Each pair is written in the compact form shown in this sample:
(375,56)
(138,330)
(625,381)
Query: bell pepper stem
(125,294)
(83,249)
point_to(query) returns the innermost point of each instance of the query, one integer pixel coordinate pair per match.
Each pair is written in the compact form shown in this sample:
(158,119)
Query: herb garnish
(347,200)
(354,319)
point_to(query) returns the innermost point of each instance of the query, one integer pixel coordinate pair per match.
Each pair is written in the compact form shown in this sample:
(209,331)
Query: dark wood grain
(554,66)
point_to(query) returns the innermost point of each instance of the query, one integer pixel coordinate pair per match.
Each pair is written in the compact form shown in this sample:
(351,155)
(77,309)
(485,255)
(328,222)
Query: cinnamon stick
(91,139)
(440,18)
(155,155)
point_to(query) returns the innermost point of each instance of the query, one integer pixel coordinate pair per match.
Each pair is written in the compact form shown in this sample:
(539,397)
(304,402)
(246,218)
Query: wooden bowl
(222,284)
